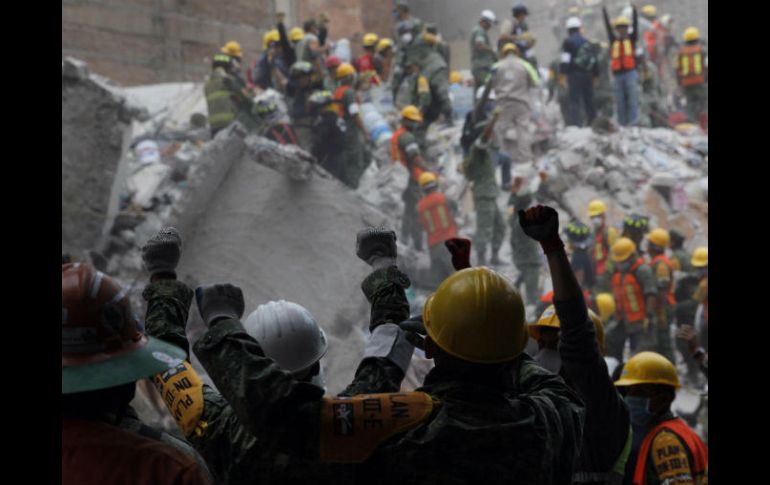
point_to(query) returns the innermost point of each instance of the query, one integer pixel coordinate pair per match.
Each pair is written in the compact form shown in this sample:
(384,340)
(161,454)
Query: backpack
(588,55)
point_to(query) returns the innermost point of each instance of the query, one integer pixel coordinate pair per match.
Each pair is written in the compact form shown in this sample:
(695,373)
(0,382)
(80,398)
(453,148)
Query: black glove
(541,223)
(162,252)
(415,331)
(219,301)
(376,246)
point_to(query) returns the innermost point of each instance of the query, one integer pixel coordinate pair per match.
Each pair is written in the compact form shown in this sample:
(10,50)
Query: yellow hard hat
(296,34)
(429,38)
(700,257)
(411,112)
(549,318)
(606,304)
(384,44)
(508,48)
(232,48)
(345,69)
(427,178)
(596,208)
(649,368)
(622,249)
(477,315)
(691,33)
(622,20)
(649,11)
(659,237)
(370,39)
(455,77)
(270,36)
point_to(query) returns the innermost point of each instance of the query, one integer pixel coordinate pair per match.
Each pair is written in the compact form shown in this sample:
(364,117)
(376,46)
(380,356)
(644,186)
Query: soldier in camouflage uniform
(652,102)
(482,53)
(488,414)
(479,169)
(435,70)
(603,94)
(356,155)
(526,253)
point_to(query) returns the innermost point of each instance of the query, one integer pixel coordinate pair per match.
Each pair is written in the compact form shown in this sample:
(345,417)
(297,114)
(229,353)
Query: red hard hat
(332,62)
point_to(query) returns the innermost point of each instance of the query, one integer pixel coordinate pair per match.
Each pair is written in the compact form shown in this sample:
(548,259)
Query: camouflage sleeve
(168,306)
(646,280)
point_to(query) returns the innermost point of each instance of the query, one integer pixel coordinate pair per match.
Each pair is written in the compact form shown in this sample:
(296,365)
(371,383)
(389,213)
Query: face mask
(639,410)
(596,222)
(549,359)
(406,38)
(624,265)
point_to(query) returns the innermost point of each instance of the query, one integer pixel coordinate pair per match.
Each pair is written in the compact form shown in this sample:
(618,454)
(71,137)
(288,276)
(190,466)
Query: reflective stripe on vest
(691,66)
(692,441)
(600,251)
(625,60)
(661,258)
(436,219)
(339,93)
(396,154)
(219,103)
(629,294)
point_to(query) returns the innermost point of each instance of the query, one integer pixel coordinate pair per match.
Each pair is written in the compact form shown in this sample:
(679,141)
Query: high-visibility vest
(435,217)
(396,153)
(698,449)
(220,105)
(338,95)
(629,295)
(690,66)
(622,58)
(601,247)
(661,258)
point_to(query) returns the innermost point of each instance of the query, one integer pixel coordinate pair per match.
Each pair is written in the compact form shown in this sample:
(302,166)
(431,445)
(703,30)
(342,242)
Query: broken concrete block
(615,181)
(595,177)
(290,160)
(144,183)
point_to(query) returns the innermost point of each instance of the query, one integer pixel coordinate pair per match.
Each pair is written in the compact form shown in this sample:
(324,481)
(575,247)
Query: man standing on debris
(365,64)
(692,74)
(657,242)
(680,258)
(480,170)
(604,237)
(579,62)
(328,133)
(405,148)
(436,71)
(482,53)
(664,449)
(485,411)
(104,353)
(635,226)
(384,59)
(355,155)
(635,293)
(526,254)
(511,79)
(572,346)
(298,91)
(224,97)
(436,215)
(520,34)
(623,54)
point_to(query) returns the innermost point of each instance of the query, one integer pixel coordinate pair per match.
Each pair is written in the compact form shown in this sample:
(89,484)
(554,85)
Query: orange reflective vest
(601,247)
(622,56)
(435,217)
(662,258)
(698,449)
(629,294)
(339,93)
(690,66)
(396,153)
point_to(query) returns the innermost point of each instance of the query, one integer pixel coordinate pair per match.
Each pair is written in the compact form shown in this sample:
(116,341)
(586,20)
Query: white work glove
(219,301)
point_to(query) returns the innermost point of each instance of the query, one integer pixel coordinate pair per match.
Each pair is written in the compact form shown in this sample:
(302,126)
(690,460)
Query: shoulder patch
(182,391)
(670,459)
(352,428)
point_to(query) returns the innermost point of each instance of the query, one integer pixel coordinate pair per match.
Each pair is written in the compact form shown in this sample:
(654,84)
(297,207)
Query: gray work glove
(376,246)
(161,253)
(414,329)
(219,301)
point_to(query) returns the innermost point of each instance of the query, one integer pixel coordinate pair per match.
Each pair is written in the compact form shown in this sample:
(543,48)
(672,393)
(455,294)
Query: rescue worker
(692,74)
(311,47)
(603,91)
(436,71)
(686,307)
(482,53)
(289,335)
(479,169)
(328,133)
(298,90)
(652,102)
(635,294)
(384,58)
(623,53)
(441,46)
(680,258)
(663,270)
(270,70)
(654,36)
(557,86)
(407,29)
(273,127)
(436,215)
(465,423)
(604,237)
(580,246)
(225,96)
(700,264)
(579,63)
(526,255)
(635,226)
(355,155)
(511,79)
(366,62)
(605,307)
(104,352)
(404,148)
(330,78)
(571,344)
(233,50)
(664,449)
(520,35)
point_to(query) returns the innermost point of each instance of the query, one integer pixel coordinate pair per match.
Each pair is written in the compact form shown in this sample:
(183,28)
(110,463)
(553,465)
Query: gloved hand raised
(161,253)
(376,246)
(461,252)
(219,301)
(541,223)
(415,331)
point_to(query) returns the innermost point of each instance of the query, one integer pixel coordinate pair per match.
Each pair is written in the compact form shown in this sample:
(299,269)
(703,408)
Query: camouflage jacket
(519,422)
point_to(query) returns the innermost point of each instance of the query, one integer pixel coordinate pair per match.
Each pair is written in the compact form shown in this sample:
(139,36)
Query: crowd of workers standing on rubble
(572,386)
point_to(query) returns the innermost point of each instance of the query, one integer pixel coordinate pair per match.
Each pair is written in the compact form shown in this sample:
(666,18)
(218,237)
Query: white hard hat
(489,15)
(480,92)
(288,334)
(574,23)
